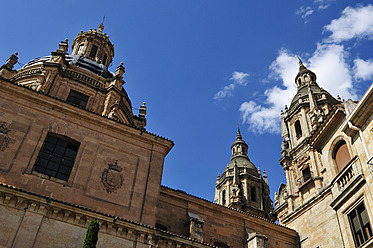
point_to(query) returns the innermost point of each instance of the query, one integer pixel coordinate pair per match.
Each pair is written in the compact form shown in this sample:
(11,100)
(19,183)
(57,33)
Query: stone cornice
(89,116)
(16,198)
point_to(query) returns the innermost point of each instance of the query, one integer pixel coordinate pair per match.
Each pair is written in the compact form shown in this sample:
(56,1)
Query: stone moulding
(85,79)
(12,197)
(27,73)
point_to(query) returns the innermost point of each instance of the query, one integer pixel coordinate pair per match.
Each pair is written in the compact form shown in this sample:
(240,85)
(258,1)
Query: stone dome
(79,61)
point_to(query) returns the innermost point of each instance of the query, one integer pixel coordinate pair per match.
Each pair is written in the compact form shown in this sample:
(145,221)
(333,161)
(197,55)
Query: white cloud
(333,74)
(329,62)
(323,4)
(225,92)
(260,119)
(304,12)
(238,78)
(332,71)
(354,23)
(363,69)
(266,118)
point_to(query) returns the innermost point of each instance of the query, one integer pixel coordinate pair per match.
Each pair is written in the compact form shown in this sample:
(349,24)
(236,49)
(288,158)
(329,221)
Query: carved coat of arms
(111,178)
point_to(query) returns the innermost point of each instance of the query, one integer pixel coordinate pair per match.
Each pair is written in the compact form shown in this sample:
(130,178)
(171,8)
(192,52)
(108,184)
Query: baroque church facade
(72,150)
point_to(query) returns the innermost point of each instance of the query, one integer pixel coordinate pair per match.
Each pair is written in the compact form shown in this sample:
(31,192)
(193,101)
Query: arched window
(253,194)
(298,129)
(56,157)
(341,155)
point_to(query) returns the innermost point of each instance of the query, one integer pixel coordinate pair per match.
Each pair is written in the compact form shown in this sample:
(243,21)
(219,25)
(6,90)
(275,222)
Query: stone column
(28,229)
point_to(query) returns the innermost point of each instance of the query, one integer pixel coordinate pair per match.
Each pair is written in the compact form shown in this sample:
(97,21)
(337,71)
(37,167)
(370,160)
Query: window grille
(77,98)
(56,157)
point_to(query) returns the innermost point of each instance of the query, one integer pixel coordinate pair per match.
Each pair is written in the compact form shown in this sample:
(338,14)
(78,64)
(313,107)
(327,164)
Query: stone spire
(239,147)
(309,93)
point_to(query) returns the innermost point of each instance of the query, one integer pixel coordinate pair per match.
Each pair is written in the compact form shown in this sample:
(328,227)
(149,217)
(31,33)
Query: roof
(224,207)
(242,161)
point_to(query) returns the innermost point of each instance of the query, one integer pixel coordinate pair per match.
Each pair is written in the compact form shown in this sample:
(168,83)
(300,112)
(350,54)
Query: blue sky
(204,66)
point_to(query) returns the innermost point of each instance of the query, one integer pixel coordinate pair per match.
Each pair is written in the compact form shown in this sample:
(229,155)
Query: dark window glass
(77,98)
(160,226)
(56,157)
(360,225)
(223,197)
(253,194)
(298,129)
(93,52)
(306,174)
(104,59)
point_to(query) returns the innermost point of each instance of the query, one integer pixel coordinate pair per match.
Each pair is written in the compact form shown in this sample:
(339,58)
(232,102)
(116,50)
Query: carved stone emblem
(4,138)
(111,178)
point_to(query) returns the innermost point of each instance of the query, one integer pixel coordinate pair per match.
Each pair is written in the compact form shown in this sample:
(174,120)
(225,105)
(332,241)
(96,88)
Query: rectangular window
(93,52)
(77,98)
(56,157)
(360,224)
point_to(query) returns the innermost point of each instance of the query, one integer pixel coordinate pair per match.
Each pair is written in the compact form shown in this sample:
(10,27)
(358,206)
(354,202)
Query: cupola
(242,186)
(239,147)
(304,76)
(94,45)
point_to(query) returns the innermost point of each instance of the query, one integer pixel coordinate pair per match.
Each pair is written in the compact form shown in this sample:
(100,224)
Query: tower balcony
(347,182)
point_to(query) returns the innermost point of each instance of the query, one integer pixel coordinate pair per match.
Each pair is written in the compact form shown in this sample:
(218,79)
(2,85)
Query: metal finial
(238,137)
(300,60)
(101,26)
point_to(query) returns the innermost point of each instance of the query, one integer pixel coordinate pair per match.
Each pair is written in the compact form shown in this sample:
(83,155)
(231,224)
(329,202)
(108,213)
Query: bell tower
(242,186)
(300,160)
(308,107)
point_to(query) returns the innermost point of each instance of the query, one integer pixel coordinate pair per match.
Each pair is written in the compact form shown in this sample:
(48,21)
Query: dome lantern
(94,45)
